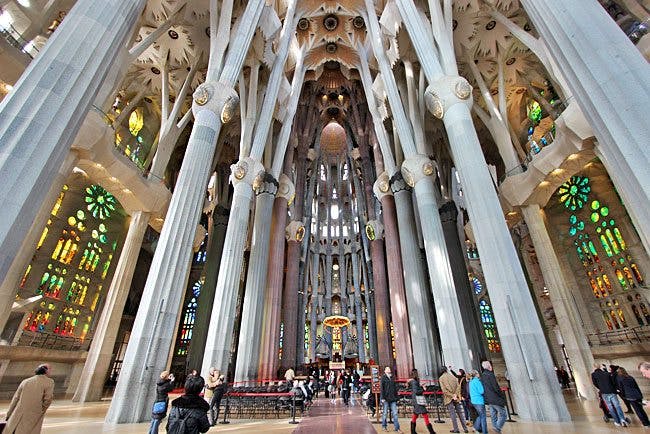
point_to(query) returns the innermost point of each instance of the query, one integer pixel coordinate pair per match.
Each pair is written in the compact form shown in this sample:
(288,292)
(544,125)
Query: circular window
(490,25)
(172,33)
(330,22)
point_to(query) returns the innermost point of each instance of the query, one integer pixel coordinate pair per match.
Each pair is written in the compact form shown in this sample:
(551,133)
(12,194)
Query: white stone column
(41,116)
(418,171)
(610,79)
(573,335)
(222,321)
(24,256)
(91,383)
(525,351)
(420,322)
(248,352)
(152,338)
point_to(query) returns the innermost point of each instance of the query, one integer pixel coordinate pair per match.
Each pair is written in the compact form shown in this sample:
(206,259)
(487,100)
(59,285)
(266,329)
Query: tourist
(189,411)
(215,402)
(289,375)
(164,385)
(604,383)
(419,402)
(210,384)
(355,380)
(388,396)
(451,398)
(369,399)
(613,371)
(30,402)
(630,390)
(464,392)
(346,385)
(644,367)
(494,397)
(477,399)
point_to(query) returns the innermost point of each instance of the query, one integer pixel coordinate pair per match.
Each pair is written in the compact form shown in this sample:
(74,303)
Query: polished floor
(65,417)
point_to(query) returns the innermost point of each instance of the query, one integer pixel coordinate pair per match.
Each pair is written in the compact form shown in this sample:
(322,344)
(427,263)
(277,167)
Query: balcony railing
(627,336)
(53,341)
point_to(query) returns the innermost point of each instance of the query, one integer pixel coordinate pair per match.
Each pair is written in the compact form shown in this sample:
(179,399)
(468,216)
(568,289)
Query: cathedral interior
(263,185)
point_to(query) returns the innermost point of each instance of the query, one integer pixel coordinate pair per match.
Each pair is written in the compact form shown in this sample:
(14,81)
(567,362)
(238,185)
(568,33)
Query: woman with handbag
(159,411)
(419,402)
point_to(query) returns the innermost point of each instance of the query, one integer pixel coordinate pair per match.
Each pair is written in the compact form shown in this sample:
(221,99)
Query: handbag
(420,400)
(159,407)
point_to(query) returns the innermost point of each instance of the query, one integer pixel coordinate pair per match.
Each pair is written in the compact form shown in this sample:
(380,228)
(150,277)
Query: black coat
(493,393)
(603,381)
(417,390)
(388,389)
(629,389)
(163,387)
(189,415)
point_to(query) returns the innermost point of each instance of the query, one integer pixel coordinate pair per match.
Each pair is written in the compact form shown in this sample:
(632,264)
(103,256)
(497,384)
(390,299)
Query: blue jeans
(393,410)
(499,415)
(480,424)
(614,407)
(155,423)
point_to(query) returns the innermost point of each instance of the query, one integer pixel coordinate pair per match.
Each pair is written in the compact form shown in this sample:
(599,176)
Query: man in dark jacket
(388,397)
(189,413)
(604,382)
(494,397)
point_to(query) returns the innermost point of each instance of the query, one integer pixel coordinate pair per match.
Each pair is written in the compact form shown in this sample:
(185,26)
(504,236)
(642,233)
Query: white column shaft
(573,335)
(91,384)
(153,335)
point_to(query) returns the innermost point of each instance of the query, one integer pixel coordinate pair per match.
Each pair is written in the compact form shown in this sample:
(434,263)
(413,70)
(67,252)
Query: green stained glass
(612,241)
(534,111)
(573,219)
(612,222)
(592,249)
(595,217)
(95,234)
(619,238)
(581,225)
(572,231)
(604,211)
(605,244)
(103,238)
(102,228)
(598,230)
(81,215)
(621,261)
(595,205)
(580,255)
(100,202)
(604,224)
(574,193)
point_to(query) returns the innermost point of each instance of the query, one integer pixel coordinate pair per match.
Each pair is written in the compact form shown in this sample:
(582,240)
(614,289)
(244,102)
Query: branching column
(248,350)
(273,301)
(583,40)
(215,102)
(93,377)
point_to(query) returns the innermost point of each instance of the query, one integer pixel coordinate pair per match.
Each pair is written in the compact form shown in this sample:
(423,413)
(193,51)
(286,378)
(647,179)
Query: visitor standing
(613,371)
(604,383)
(189,414)
(494,397)
(388,395)
(30,402)
(210,385)
(477,399)
(464,392)
(419,402)
(644,367)
(629,388)
(164,385)
(451,396)
(346,385)
(289,375)
(215,403)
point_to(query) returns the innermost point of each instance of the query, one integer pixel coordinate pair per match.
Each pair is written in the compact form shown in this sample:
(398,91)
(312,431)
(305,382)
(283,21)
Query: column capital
(445,92)
(381,186)
(219,98)
(295,231)
(286,188)
(246,170)
(265,184)
(416,168)
(374,230)
(448,212)
(398,183)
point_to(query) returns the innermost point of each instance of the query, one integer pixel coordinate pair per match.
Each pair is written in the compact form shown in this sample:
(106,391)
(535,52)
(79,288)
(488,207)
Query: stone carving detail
(248,171)
(220,99)
(445,92)
(417,167)
(382,185)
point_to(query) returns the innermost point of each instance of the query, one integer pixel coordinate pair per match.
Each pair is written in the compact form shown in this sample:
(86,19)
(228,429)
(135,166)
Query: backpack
(177,425)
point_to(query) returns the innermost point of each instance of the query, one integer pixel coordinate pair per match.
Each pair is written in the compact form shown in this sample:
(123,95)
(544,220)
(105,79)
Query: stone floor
(65,417)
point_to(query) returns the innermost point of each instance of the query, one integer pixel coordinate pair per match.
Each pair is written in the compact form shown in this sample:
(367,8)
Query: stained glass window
(476,284)
(281,341)
(574,193)
(189,318)
(489,326)
(100,202)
